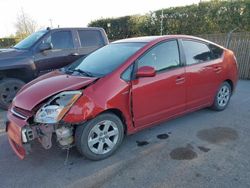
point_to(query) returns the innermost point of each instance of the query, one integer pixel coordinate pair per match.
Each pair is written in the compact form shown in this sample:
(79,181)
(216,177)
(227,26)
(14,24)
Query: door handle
(217,69)
(74,54)
(180,80)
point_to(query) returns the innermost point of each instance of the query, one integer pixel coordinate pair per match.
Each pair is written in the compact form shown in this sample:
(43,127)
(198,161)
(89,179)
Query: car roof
(148,39)
(75,28)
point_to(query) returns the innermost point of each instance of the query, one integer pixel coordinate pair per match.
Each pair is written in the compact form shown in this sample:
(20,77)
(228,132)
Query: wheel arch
(230,83)
(119,114)
(19,73)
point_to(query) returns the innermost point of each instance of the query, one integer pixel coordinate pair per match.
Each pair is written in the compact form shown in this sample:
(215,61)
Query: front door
(62,53)
(160,97)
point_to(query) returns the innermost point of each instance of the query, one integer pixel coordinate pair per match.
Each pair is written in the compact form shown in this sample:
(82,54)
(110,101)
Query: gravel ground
(201,149)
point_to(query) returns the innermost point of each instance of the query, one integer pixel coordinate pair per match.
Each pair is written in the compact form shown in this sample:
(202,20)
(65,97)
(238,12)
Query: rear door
(203,73)
(63,52)
(90,40)
(160,97)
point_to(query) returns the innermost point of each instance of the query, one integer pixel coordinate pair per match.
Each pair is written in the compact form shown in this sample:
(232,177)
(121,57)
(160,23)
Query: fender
(94,102)
(23,68)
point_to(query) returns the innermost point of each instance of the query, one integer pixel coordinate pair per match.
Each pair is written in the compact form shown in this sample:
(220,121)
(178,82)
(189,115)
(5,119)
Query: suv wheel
(100,137)
(222,97)
(8,89)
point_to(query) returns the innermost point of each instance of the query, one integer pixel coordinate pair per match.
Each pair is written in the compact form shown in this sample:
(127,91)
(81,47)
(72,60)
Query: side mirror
(45,46)
(145,71)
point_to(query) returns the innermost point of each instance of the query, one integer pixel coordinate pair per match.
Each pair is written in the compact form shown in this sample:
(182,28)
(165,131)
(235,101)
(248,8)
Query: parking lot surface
(201,149)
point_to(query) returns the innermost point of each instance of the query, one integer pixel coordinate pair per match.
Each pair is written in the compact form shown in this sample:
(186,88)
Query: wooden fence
(240,44)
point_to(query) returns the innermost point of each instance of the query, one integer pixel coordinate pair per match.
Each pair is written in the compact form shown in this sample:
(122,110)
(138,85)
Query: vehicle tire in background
(100,137)
(222,97)
(8,89)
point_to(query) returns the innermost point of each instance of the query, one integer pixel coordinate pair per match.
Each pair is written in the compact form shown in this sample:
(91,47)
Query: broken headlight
(54,110)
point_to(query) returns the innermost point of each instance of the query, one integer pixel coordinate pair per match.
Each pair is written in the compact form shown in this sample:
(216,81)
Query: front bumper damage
(14,128)
(21,134)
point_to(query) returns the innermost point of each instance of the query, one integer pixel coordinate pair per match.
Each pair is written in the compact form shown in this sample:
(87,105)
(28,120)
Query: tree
(214,16)
(25,25)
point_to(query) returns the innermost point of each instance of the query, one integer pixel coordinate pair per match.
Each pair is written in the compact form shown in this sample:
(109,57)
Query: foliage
(8,42)
(206,17)
(25,25)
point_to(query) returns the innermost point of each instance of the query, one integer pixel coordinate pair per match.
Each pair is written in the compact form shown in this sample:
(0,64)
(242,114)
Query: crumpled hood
(10,53)
(46,86)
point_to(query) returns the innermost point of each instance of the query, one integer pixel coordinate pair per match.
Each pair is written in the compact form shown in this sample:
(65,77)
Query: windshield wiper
(80,71)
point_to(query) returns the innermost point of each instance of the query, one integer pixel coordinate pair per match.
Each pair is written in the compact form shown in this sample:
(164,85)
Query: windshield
(106,59)
(30,40)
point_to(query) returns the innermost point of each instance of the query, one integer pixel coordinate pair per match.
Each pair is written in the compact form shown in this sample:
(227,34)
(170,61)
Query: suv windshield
(30,40)
(106,59)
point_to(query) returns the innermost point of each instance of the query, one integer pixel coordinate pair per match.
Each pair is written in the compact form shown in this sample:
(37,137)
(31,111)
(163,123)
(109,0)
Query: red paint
(143,102)
(14,127)
(45,86)
(145,71)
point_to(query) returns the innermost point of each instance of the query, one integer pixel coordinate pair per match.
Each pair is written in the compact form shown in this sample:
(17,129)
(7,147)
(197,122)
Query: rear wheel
(222,97)
(8,90)
(99,138)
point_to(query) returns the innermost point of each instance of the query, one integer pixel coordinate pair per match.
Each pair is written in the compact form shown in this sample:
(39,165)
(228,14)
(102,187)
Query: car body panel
(165,96)
(14,128)
(203,82)
(38,90)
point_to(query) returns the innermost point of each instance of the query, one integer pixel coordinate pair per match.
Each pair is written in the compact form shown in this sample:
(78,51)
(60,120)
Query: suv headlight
(54,110)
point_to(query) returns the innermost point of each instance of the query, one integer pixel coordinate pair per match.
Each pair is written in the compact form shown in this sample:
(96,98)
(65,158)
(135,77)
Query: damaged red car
(120,89)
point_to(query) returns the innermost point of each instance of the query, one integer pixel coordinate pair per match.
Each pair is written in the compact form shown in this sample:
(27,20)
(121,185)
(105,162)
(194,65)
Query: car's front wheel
(8,90)
(222,97)
(100,137)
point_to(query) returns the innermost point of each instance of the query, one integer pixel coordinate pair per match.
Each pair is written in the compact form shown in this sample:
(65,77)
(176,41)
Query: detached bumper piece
(15,139)
(18,135)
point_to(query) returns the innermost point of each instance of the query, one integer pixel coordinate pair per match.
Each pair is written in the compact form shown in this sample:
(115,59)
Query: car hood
(10,53)
(46,86)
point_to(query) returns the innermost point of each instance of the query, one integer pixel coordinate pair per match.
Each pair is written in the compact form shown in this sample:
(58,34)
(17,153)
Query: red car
(120,89)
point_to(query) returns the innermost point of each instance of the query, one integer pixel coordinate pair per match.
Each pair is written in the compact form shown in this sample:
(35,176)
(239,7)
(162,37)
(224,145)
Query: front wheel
(222,97)
(8,90)
(100,137)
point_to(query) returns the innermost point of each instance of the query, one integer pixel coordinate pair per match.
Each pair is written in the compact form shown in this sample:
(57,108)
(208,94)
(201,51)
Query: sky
(75,13)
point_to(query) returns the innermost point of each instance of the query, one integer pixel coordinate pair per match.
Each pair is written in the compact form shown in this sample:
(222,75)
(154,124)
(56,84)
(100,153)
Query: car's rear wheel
(100,137)
(8,90)
(222,97)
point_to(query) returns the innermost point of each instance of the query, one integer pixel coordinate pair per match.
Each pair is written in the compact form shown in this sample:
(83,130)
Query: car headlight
(54,110)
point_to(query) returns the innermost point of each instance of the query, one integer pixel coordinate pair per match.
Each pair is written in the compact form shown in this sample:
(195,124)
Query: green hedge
(206,17)
(7,42)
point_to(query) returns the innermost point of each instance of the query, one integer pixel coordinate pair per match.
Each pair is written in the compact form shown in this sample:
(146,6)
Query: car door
(63,52)
(160,97)
(90,40)
(203,73)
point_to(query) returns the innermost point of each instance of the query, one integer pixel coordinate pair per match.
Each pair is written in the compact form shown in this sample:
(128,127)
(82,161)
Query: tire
(8,90)
(100,137)
(222,97)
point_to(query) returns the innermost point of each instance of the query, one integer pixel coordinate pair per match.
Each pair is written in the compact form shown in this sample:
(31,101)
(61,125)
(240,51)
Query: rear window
(217,51)
(196,52)
(90,38)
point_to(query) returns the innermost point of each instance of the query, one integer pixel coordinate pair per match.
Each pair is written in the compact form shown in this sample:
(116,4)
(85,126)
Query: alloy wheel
(103,137)
(223,96)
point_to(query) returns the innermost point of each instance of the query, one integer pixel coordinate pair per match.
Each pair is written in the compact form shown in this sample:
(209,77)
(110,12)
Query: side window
(61,40)
(126,75)
(196,52)
(216,51)
(161,57)
(90,38)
